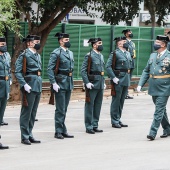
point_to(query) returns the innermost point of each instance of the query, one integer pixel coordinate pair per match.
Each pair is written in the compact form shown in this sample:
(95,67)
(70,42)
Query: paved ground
(115,149)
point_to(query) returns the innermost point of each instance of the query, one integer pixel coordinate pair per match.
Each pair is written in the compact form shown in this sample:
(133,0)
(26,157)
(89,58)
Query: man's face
(2,44)
(97,44)
(31,44)
(128,33)
(120,43)
(161,43)
(63,40)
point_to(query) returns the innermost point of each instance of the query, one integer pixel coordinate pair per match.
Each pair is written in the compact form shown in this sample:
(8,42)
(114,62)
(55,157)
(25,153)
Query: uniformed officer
(62,82)
(31,86)
(5,79)
(131,48)
(8,61)
(157,71)
(121,79)
(168,45)
(94,82)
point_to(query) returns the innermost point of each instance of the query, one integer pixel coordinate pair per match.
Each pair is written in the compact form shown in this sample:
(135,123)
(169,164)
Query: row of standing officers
(60,69)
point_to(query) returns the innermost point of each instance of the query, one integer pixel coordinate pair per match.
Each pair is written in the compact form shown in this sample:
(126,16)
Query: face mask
(3,49)
(131,35)
(67,44)
(99,48)
(156,46)
(37,46)
(125,45)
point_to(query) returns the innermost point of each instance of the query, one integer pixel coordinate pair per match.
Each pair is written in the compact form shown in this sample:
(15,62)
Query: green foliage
(114,11)
(7,18)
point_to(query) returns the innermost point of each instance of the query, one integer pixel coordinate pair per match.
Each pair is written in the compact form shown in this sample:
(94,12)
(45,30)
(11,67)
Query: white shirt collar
(32,51)
(64,48)
(162,53)
(129,40)
(96,51)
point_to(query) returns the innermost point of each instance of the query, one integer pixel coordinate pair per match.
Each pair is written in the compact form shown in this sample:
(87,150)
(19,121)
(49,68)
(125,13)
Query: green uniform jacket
(33,65)
(168,46)
(157,67)
(66,64)
(97,65)
(5,70)
(123,61)
(131,49)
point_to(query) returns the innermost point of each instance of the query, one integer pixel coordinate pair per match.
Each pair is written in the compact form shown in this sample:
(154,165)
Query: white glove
(27,88)
(89,85)
(56,87)
(104,86)
(10,82)
(116,80)
(139,89)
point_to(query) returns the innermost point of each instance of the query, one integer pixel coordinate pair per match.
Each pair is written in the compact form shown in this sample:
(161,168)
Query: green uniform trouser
(28,114)
(92,108)
(3,102)
(160,115)
(62,98)
(117,103)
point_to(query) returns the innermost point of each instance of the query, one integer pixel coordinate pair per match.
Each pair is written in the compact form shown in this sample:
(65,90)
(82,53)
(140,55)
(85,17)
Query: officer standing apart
(62,82)
(5,79)
(94,82)
(8,61)
(121,79)
(131,48)
(168,45)
(31,86)
(157,71)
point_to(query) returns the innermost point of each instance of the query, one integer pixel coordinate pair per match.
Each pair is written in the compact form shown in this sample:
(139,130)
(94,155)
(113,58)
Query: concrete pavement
(114,149)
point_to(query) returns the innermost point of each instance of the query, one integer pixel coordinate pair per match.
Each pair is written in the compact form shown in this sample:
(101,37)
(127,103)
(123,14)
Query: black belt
(38,73)
(4,78)
(97,73)
(66,73)
(124,70)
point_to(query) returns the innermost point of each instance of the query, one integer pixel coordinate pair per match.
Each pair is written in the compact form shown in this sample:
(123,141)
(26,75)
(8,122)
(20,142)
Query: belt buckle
(39,73)
(102,73)
(128,71)
(6,78)
(70,74)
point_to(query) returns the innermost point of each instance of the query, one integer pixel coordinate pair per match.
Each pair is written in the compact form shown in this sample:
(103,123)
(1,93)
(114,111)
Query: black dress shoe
(90,131)
(4,123)
(164,135)
(97,130)
(123,125)
(150,137)
(128,97)
(66,135)
(3,147)
(116,125)
(26,142)
(58,136)
(32,140)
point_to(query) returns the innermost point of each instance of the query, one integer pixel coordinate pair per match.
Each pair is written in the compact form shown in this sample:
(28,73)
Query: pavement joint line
(38,131)
(149,119)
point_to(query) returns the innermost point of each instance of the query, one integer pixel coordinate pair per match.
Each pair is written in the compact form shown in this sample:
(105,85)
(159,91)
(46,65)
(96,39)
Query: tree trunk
(15,87)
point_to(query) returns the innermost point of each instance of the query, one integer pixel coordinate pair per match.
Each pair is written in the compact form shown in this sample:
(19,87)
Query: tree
(7,18)
(115,11)
(159,8)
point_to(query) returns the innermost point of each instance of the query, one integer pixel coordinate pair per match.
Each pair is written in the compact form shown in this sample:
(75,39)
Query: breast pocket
(121,61)
(31,64)
(63,64)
